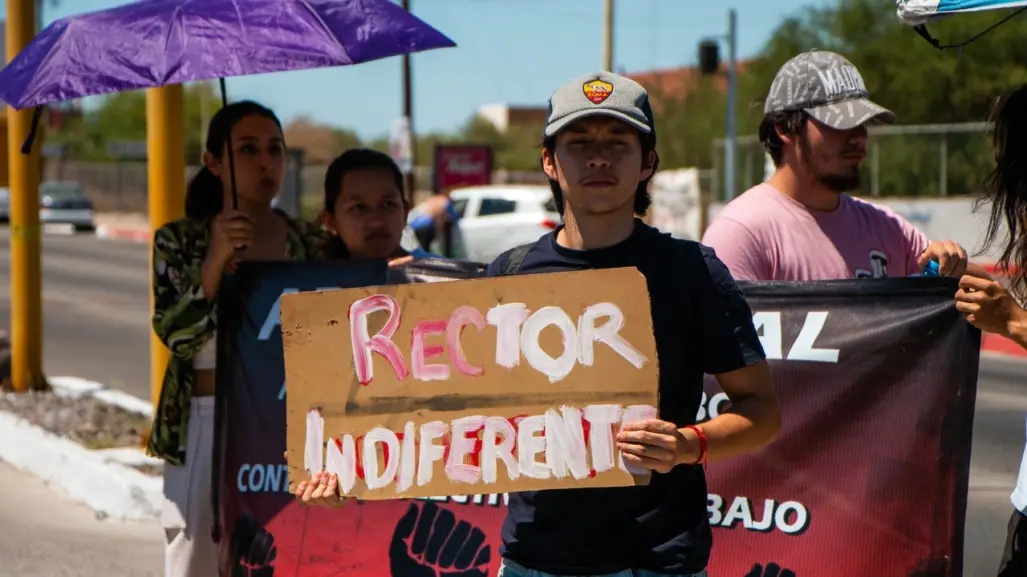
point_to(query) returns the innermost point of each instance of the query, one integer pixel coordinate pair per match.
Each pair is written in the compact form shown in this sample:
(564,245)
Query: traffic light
(709,57)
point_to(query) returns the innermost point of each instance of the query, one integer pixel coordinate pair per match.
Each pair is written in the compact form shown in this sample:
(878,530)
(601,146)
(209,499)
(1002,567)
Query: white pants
(187,514)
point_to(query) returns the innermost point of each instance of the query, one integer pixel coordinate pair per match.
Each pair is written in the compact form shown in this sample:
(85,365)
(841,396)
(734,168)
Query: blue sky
(513,51)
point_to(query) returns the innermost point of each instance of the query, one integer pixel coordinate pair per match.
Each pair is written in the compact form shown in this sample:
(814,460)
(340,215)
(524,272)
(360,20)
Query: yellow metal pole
(165,149)
(26,282)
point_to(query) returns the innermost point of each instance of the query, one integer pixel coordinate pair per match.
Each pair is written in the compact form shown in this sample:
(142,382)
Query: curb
(74,386)
(1001,346)
(132,234)
(102,480)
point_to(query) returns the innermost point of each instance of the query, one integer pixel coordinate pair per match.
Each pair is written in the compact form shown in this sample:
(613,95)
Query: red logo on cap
(597,91)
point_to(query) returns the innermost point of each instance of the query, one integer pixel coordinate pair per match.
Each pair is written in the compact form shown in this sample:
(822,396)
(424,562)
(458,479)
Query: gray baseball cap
(828,87)
(600,93)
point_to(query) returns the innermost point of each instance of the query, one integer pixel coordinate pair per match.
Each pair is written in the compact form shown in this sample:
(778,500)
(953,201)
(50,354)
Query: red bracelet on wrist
(702,444)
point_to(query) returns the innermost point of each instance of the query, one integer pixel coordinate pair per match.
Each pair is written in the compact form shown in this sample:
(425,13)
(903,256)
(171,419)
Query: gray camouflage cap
(600,93)
(828,87)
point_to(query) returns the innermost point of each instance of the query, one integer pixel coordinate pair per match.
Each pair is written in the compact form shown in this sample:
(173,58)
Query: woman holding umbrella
(190,258)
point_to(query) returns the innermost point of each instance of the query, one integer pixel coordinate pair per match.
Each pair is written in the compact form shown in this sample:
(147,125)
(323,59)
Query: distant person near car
(434,221)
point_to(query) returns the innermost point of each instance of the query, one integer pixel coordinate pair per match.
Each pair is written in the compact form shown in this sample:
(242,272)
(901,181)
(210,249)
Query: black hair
(643,199)
(349,161)
(205,195)
(1006,187)
(790,122)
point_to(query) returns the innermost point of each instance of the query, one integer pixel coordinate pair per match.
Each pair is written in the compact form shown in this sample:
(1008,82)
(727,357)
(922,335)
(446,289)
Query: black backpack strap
(516,258)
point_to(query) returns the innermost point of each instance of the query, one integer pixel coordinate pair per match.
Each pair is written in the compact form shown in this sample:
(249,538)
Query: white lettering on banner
(803,349)
(490,499)
(261,478)
(274,478)
(274,316)
(710,407)
(789,517)
(273,320)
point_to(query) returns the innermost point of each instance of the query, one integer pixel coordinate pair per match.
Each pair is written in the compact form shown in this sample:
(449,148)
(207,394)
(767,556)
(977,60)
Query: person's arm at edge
(918,245)
(736,359)
(753,420)
(978,270)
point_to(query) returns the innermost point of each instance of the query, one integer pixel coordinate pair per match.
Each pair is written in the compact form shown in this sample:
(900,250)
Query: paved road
(44,533)
(95,309)
(97,327)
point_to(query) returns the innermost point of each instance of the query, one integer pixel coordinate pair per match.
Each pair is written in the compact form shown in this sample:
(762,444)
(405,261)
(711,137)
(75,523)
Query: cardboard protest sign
(487,385)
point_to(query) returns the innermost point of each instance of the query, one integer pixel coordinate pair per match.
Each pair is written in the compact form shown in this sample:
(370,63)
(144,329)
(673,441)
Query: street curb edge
(78,386)
(123,233)
(102,484)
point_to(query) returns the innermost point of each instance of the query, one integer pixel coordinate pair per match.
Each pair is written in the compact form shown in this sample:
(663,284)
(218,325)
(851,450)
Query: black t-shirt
(702,324)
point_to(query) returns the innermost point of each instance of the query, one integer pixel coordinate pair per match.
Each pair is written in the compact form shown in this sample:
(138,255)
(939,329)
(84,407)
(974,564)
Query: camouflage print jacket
(185,320)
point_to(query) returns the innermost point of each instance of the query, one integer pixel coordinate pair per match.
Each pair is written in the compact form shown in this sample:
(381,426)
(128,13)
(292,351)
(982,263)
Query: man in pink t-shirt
(800,225)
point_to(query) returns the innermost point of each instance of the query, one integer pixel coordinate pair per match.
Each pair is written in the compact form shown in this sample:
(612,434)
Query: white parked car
(496,218)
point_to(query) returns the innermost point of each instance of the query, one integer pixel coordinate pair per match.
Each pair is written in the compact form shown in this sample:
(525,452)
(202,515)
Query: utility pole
(165,168)
(732,76)
(25,239)
(408,112)
(608,36)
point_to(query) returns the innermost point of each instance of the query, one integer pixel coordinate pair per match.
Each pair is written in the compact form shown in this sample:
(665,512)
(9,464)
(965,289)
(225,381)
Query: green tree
(122,116)
(921,84)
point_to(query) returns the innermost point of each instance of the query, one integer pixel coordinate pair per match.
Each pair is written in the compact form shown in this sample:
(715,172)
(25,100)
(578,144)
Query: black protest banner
(259,522)
(877,380)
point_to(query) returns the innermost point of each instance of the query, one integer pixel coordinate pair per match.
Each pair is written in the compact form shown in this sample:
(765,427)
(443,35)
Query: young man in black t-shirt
(599,154)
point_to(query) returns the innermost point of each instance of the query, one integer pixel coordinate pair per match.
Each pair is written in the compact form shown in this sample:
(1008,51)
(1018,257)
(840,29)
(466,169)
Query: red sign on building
(462,165)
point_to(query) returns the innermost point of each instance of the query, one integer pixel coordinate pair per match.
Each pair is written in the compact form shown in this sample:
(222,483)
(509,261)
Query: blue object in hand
(930,269)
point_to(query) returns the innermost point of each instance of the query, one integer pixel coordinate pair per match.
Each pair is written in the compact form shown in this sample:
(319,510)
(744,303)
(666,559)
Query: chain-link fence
(907,161)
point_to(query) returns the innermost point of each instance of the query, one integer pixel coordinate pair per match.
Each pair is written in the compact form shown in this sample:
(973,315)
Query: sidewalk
(46,533)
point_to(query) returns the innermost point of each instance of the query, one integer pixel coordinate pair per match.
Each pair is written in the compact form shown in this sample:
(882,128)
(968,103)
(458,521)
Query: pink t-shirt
(765,235)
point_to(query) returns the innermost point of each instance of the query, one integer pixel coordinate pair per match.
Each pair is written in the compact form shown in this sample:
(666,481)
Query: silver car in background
(59,203)
(65,203)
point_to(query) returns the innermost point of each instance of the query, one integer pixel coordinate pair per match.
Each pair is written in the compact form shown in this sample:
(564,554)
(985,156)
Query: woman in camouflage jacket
(190,256)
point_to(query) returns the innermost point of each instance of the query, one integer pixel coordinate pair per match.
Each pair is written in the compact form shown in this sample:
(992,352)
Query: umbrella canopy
(153,43)
(918,12)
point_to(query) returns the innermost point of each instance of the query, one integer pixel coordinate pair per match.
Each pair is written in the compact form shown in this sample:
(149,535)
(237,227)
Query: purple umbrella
(157,42)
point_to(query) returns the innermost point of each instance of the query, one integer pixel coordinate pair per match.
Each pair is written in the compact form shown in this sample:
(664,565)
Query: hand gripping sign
(486,385)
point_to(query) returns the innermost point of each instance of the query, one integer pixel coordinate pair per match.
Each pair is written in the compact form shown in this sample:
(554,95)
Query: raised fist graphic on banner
(430,542)
(771,570)
(253,549)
